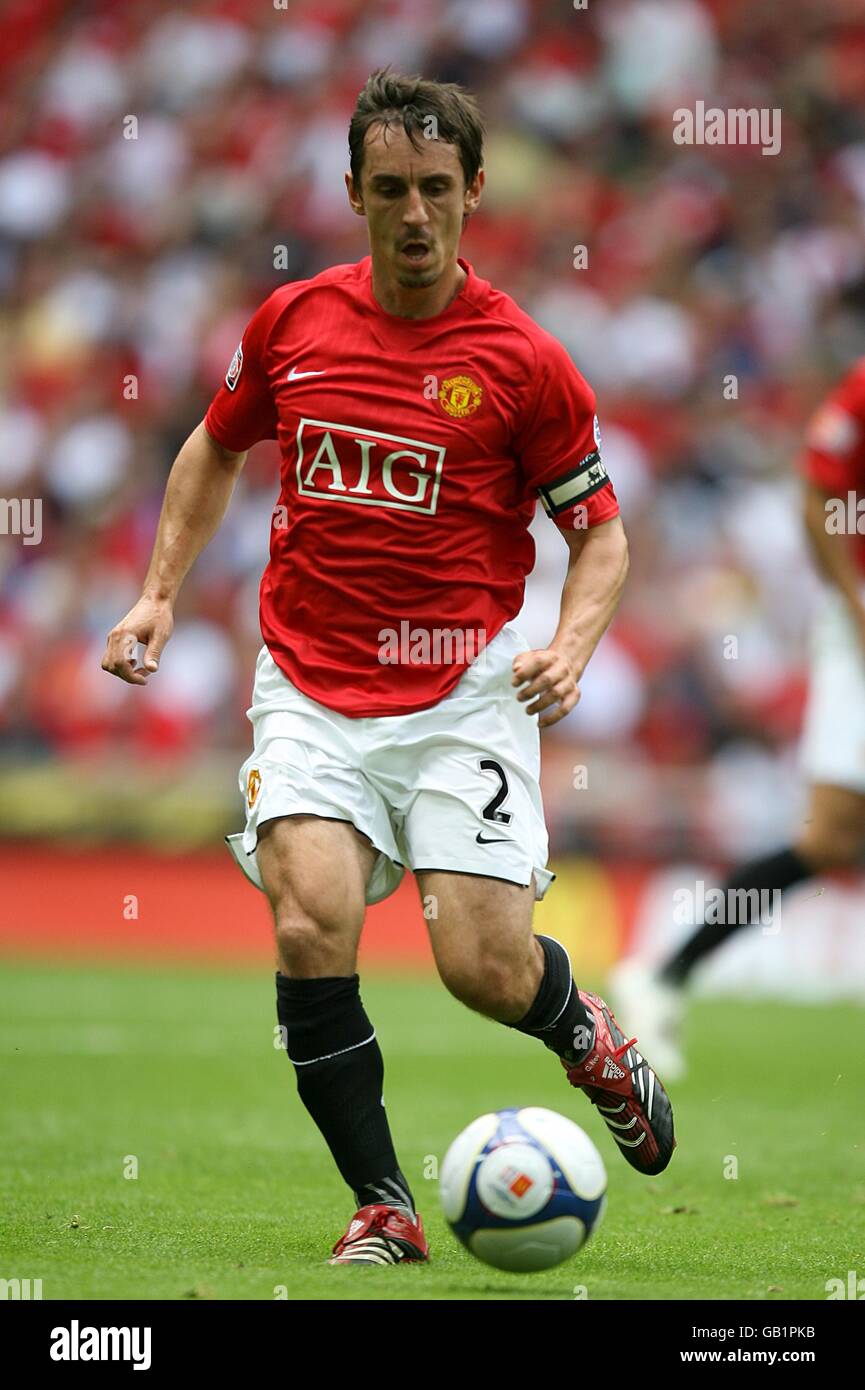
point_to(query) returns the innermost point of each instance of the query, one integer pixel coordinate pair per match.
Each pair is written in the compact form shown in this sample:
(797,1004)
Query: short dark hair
(389,98)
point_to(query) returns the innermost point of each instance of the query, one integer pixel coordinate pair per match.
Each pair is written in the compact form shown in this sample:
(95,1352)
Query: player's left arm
(597,569)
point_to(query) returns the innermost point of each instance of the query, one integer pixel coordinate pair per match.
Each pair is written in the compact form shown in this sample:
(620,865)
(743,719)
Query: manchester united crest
(460,396)
(253,783)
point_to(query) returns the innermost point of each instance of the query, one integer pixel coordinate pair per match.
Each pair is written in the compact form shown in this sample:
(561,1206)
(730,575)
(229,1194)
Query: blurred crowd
(157,159)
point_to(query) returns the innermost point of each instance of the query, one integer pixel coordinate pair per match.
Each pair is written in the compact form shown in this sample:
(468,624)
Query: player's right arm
(832,467)
(833,554)
(199,489)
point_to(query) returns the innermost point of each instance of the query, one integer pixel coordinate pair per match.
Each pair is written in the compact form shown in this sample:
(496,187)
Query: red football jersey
(834,456)
(413,452)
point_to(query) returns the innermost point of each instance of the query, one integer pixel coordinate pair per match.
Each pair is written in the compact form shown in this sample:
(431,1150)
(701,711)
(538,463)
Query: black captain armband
(574,486)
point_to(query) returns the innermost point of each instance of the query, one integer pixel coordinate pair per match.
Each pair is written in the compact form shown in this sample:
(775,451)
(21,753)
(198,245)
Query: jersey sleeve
(243,410)
(559,444)
(835,437)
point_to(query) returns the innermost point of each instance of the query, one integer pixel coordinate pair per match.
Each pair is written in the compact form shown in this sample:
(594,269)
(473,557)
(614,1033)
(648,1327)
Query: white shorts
(453,787)
(833,742)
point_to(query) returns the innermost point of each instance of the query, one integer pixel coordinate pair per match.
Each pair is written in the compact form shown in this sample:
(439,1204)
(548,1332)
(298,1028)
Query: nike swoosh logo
(295,375)
(481,841)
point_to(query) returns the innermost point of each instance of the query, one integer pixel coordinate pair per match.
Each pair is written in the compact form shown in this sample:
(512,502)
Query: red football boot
(634,1105)
(380,1235)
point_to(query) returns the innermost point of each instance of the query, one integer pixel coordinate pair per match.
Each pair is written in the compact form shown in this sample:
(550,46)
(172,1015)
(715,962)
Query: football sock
(773,873)
(340,1072)
(557,1016)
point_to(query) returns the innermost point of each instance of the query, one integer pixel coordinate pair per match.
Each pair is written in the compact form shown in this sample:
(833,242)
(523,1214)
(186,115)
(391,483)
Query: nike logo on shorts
(482,841)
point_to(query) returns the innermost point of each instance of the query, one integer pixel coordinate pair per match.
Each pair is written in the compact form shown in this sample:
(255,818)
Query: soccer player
(395,707)
(832,835)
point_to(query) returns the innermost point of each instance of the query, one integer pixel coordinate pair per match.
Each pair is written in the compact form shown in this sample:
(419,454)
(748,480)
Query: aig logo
(367,467)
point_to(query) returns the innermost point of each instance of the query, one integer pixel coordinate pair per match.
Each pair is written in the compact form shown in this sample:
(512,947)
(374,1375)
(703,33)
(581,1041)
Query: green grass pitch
(235,1196)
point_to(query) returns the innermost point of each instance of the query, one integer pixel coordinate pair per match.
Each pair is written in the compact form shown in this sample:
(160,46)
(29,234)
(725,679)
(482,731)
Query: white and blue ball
(523,1189)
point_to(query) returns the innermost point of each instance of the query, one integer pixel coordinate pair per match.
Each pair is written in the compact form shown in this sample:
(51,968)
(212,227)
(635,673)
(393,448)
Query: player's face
(414,202)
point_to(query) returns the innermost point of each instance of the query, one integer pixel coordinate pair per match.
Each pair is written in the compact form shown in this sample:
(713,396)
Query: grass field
(235,1195)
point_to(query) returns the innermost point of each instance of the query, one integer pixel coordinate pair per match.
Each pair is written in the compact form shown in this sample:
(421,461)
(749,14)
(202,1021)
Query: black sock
(773,873)
(557,1017)
(340,1073)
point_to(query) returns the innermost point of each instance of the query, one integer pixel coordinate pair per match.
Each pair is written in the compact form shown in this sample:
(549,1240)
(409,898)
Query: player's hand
(547,679)
(149,622)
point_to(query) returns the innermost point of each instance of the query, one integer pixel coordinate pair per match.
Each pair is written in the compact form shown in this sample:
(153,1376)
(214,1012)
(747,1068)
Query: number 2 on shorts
(491,810)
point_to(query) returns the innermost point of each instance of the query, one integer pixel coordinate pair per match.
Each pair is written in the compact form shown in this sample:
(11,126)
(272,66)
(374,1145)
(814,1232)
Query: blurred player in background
(833,751)
(420,415)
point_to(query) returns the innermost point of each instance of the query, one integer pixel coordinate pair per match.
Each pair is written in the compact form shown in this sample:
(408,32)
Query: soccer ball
(523,1189)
